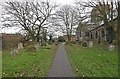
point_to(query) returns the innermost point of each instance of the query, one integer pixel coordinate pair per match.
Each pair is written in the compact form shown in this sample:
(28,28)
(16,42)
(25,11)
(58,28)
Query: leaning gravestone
(90,44)
(111,47)
(14,52)
(20,45)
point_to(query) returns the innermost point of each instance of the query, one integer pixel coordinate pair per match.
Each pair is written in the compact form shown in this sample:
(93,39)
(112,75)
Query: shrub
(50,42)
(114,42)
(31,48)
(84,43)
(43,44)
(73,42)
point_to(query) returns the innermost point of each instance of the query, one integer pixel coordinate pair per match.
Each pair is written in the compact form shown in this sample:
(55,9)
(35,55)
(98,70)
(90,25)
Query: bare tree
(43,11)
(29,16)
(51,34)
(83,17)
(67,18)
(118,22)
(106,11)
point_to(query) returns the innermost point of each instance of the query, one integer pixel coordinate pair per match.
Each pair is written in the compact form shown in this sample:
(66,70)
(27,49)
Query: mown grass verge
(28,64)
(93,62)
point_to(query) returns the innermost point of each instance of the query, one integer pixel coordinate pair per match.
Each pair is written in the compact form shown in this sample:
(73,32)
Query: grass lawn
(28,64)
(0,65)
(93,62)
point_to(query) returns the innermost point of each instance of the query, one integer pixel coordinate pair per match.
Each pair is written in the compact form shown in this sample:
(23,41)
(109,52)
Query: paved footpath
(61,66)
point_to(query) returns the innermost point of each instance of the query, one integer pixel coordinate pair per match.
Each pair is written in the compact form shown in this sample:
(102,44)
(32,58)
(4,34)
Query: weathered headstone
(111,47)
(20,45)
(37,46)
(81,39)
(63,43)
(14,52)
(90,44)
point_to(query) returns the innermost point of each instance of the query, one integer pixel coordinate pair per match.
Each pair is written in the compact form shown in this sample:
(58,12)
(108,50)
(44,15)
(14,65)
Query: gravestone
(90,44)
(14,52)
(37,46)
(111,47)
(81,39)
(63,43)
(20,45)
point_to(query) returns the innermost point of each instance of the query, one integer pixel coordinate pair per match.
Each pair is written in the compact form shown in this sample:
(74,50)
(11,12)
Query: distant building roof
(101,25)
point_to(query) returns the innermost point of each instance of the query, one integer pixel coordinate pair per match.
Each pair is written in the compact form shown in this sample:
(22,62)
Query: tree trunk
(69,38)
(109,31)
(110,34)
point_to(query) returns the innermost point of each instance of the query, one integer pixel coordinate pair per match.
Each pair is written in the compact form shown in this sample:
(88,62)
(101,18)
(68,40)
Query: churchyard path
(61,66)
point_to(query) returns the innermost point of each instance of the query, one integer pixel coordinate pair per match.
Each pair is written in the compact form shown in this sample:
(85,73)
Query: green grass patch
(28,64)
(0,64)
(93,62)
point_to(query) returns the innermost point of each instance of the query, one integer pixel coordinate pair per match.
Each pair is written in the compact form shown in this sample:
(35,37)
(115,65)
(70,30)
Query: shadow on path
(61,66)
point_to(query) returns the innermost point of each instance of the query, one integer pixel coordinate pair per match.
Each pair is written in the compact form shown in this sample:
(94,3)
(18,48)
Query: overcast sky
(61,2)
(13,30)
